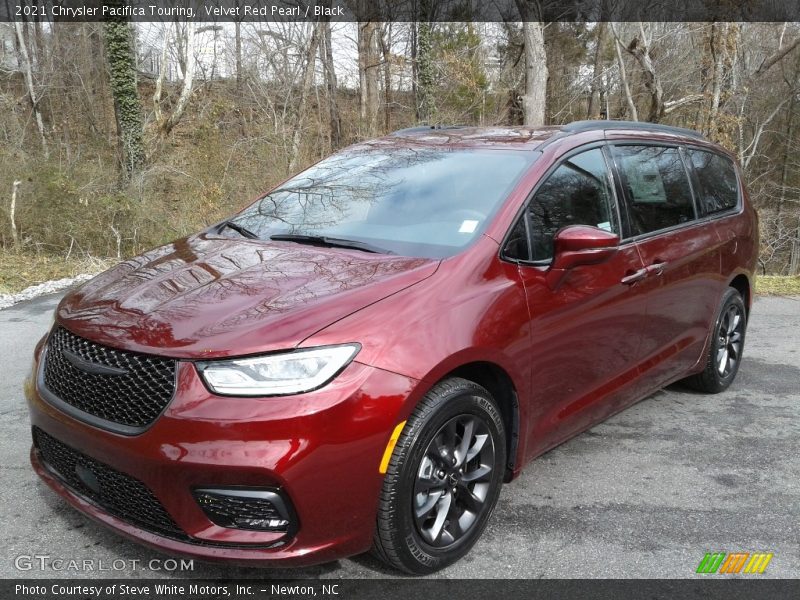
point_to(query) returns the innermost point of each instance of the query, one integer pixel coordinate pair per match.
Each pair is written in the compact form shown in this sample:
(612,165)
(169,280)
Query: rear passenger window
(718,189)
(578,192)
(659,195)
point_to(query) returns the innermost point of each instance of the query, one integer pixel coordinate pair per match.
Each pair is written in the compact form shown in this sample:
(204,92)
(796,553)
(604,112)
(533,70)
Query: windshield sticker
(468,226)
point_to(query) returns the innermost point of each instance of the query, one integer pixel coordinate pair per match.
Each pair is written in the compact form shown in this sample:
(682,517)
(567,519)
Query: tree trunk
(33,52)
(308,79)
(326,52)
(640,51)
(166,125)
(127,106)
(785,168)
(101,95)
(715,50)
(368,75)
(633,113)
(12,214)
(413,43)
(426,77)
(534,99)
(162,73)
(25,63)
(238,34)
(180,47)
(595,101)
(716,75)
(39,45)
(386,52)
(790,137)
(794,256)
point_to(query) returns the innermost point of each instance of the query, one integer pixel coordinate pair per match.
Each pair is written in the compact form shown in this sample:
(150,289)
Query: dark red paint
(576,343)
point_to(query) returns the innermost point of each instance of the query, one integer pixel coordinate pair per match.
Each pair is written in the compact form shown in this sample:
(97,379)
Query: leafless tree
(305,86)
(331,85)
(285,94)
(25,61)
(368,75)
(165,124)
(533,101)
(593,111)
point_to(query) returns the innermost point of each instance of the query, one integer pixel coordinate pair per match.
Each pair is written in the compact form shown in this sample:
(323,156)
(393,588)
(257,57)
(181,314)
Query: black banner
(400,589)
(401,10)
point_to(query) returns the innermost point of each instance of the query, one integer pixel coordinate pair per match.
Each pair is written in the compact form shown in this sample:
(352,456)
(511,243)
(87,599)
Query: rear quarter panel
(739,234)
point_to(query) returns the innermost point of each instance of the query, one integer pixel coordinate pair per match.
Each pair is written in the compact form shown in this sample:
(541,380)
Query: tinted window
(418,201)
(517,243)
(657,187)
(576,193)
(718,188)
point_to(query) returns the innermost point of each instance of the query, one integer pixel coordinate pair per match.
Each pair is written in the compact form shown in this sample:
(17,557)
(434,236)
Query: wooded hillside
(117,137)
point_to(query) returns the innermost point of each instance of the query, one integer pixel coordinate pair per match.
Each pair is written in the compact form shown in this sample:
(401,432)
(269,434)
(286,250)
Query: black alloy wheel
(443,479)
(724,355)
(453,480)
(730,338)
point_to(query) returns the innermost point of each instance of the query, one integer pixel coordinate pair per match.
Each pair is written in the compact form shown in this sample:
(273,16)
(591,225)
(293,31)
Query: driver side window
(578,192)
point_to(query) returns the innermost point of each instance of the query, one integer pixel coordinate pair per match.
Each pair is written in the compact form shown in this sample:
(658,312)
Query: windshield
(423,202)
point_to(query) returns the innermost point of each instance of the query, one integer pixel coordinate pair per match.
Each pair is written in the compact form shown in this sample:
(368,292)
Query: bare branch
(672,105)
(751,149)
(768,62)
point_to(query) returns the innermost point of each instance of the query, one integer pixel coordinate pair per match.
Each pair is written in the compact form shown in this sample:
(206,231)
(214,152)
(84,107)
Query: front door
(586,331)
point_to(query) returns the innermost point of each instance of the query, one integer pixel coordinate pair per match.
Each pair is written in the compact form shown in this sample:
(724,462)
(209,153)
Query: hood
(208,296)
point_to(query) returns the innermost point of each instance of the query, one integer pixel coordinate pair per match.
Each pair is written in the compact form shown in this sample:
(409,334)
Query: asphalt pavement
(645,494)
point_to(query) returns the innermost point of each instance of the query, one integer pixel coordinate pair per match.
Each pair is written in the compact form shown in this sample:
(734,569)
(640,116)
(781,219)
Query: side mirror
(579,245)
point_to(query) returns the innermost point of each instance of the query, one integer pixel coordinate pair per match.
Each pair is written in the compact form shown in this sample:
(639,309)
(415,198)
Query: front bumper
(322,451)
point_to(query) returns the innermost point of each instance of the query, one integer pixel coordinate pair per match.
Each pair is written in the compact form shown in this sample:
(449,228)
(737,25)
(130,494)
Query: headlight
(274,374)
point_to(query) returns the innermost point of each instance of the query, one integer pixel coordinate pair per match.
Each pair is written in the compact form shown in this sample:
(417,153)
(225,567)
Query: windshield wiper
(329,242)
(238,229)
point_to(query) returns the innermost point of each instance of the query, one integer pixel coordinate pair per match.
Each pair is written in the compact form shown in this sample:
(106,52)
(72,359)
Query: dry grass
(19,271)
(777,285)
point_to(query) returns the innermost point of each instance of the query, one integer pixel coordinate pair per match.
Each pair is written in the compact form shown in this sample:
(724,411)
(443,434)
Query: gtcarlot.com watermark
(45,562)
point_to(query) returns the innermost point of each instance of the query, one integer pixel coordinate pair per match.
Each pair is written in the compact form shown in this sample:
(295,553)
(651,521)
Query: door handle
(632,278)
(657,268)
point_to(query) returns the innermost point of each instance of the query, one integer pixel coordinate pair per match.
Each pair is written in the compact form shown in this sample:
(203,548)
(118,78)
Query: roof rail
(594,125)
(426,128)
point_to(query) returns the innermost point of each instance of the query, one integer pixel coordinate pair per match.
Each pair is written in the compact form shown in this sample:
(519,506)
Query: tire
(436,497)
(726,347)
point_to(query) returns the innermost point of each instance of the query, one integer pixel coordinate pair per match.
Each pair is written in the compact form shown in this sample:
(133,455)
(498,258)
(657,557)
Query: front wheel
(443,479)
(726,347)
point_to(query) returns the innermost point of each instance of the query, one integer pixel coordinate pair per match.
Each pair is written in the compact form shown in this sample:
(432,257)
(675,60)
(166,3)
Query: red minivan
(361,357)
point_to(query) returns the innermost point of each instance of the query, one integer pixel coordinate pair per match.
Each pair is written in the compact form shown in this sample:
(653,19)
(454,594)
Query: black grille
(119,494)
(134,396)
(244,509)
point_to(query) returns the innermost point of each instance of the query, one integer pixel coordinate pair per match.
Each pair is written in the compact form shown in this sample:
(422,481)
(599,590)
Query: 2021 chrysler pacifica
(362,356)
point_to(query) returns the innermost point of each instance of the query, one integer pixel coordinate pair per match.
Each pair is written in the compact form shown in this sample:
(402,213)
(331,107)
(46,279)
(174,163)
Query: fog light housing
(254,509)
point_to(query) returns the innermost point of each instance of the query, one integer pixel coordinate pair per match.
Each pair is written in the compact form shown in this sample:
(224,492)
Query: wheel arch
(741,283)
(499,383)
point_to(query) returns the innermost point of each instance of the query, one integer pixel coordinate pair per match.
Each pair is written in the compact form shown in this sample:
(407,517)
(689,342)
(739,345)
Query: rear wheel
(727,343)
(443,479)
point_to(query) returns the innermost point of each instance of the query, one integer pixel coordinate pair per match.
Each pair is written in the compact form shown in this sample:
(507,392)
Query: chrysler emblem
(91,367)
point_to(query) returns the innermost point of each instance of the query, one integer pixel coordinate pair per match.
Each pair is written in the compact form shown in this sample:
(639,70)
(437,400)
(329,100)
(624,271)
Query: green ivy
(426,74)
(122,74)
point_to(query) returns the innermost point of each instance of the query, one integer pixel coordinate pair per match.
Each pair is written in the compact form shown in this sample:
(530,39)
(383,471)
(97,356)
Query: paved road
(644,494)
